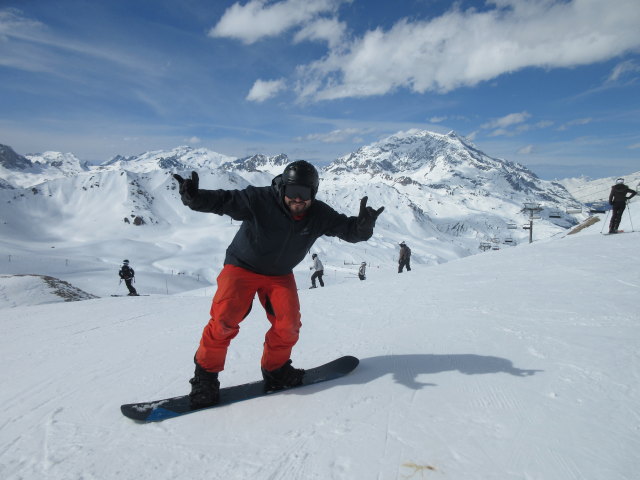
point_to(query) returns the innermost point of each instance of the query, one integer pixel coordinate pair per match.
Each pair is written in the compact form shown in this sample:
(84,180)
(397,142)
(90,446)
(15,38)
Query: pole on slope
(604,224)
(629,212)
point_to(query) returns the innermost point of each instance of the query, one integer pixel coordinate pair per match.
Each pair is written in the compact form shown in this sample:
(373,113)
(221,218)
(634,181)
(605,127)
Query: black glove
(188,187)
(367,217)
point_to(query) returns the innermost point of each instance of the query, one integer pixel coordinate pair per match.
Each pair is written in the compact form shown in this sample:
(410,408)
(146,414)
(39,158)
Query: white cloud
(258,18)
(635,146)
(464,48)
(578,121)
(507,120)
(264,89)
(513,124)
(623,69)
(526,150)
(335,136)
(326,29)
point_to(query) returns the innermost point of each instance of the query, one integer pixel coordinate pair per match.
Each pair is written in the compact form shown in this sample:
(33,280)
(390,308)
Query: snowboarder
(319,271)
(618,201)
(362,270)
(280,223)
(404,260)
(129,276)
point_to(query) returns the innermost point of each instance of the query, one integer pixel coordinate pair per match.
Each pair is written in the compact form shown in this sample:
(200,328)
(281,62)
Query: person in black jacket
(618,201)
(280,223)
(127,274)
(404,260)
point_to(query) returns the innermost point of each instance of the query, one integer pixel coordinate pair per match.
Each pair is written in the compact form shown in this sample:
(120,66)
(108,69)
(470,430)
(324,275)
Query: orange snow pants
(232,301)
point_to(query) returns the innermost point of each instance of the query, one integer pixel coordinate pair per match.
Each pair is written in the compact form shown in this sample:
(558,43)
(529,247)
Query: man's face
(297,206)
(297,198)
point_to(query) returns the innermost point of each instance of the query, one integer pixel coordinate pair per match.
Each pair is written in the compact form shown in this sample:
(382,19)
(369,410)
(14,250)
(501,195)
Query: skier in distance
(318,271)
(618,200)
(127,274)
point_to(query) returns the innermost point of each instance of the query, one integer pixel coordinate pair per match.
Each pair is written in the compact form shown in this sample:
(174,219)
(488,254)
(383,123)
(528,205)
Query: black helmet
(301,173)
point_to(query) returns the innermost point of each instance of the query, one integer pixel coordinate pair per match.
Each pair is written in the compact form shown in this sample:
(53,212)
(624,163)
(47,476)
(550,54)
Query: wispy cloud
(335,136)
(511,125)
(526,150)
(31,45)
(265,89)
(329,30)
(507,120)
(258,19)
(623,69)
(573,123)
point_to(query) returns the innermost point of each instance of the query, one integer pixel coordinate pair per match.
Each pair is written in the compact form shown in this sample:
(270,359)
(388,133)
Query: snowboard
(176,406)
(127,295)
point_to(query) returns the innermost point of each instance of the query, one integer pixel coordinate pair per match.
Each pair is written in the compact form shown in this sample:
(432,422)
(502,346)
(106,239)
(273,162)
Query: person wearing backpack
(319,271)
(405,257)
(128,275)
(618,201)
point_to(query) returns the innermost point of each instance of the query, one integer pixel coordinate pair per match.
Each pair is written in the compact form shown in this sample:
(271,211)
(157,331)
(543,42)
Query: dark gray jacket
(270,241)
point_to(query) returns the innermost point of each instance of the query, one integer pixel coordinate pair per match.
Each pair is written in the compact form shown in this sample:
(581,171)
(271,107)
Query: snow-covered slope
(514,364)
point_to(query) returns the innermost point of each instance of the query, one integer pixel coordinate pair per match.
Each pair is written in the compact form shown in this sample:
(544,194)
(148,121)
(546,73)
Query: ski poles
(629,212)
(604,224)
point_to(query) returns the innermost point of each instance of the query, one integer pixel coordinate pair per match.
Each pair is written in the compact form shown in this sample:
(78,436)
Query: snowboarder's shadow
(406,369)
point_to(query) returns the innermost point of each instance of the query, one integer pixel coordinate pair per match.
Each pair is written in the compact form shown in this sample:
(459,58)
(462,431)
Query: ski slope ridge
(513,364)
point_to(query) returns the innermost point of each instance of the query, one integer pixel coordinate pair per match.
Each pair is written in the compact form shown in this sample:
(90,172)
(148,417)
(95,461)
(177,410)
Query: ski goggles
(298,191)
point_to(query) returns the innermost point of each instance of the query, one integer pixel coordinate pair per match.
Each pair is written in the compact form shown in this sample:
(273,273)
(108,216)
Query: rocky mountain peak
(10,160)
(258,163)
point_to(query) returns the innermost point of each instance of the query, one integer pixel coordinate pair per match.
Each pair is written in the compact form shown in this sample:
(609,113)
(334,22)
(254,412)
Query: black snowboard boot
(205,388)
(284,377)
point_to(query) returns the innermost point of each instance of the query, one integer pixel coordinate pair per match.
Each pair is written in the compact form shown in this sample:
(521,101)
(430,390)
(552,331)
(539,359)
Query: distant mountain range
(440,192)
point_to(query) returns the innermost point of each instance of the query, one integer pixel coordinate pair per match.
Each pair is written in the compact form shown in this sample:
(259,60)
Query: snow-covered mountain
(442,196)
(450,186)
(35,169)
(180,158)
(586,190)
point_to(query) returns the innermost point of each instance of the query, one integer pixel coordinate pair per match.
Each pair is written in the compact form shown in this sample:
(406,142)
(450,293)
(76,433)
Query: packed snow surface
(521,363)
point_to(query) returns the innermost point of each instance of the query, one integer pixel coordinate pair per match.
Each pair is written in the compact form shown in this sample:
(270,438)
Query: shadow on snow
(406,368)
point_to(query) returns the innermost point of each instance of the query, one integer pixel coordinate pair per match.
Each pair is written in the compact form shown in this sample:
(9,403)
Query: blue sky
(554,85)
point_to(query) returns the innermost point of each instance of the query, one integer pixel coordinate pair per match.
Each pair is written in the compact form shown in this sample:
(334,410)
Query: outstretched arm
(350,229)
(234,203)
(367,218)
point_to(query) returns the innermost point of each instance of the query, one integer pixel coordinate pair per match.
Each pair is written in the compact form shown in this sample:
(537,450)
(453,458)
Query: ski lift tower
(534,210)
